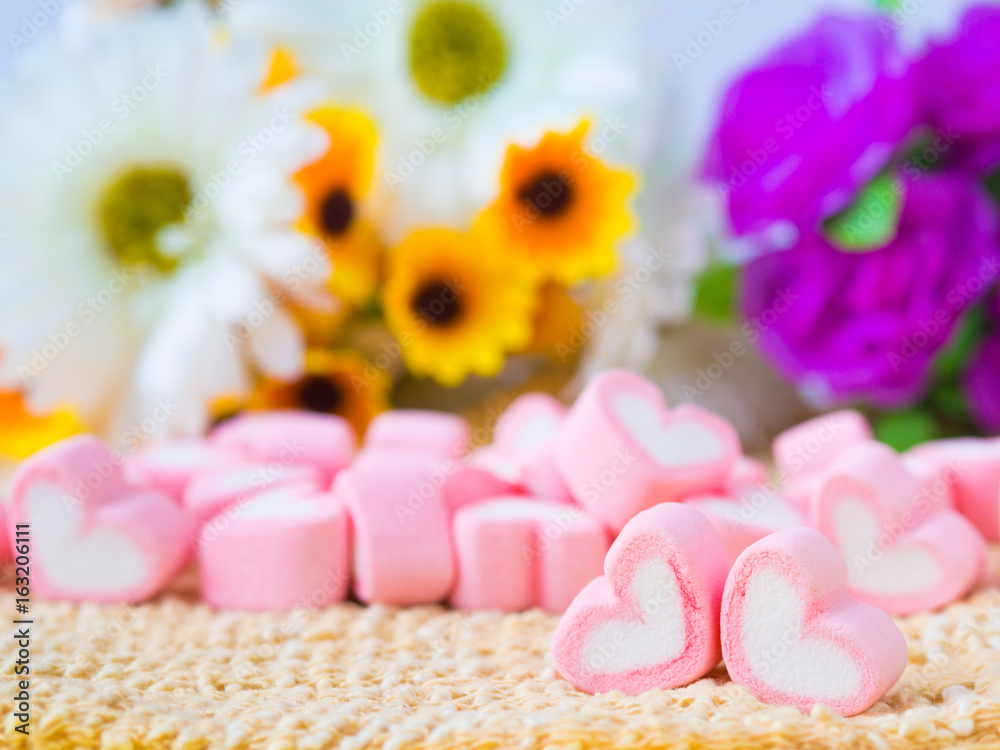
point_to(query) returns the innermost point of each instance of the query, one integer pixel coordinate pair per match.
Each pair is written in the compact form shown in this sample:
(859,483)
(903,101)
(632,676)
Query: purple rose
(803,131)
(981,384)
(866,326)
(959,85)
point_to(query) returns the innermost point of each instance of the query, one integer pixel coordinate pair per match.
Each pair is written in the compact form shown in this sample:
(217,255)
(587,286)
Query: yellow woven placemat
(176,674)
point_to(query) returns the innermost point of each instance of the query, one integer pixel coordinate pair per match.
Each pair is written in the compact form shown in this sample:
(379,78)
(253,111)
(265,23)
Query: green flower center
(456,51)
(137,206)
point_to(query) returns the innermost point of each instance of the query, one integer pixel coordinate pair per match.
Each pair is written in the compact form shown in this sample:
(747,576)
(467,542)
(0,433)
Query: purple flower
(803,131)
(866,326)
(959,85)
(960,79)
(981,385)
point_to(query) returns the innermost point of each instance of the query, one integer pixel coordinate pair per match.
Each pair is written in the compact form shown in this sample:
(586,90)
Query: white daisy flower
(452,84)
(147,213)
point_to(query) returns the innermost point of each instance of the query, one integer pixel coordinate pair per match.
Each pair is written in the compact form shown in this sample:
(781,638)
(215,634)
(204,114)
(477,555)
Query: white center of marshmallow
(504,510)
(104,561)
(620,646)
(874,561)
(682,443)
(281,503)
(778,654)
(536,432)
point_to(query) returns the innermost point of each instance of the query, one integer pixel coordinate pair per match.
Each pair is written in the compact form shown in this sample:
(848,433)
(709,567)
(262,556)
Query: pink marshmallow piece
(526,434)
(652,620)
(280,551)
(905,551)
(402,536)
(435,433)
(7,553)
(748,472)
(287,437)
(621,451)
(793,636)
(547,553)
(171,464)
(746,516)
(211,492)
(971,467)
(811,447)
(92,536)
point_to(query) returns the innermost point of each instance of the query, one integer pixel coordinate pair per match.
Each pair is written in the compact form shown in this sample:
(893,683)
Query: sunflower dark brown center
(437,303)
(337,212)
(320,394)
(548,194)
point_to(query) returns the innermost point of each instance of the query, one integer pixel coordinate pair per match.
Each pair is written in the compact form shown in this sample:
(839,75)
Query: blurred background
(768,208)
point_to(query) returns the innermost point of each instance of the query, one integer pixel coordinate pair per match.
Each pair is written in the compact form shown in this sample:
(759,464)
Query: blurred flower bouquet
(283,203)
(861,186)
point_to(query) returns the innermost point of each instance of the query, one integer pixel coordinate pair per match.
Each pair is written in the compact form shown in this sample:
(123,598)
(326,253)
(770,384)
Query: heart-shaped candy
(793,636)
(905,550)
(621,451)
(746,516)
(94,538)
(652,620)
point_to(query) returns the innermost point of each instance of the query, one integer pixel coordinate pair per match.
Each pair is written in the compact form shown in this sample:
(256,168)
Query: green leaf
(904,429)
(968,332)
(871,222)
(715,297)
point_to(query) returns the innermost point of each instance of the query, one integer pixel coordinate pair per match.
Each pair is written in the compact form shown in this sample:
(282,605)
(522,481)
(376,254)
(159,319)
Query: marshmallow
(100,541)
(402,537)
(621,451)
(170,465)
(811,447)
(283,438)
(746,516)
(905,551)
(281,550)
(652,620)
(517,553)
(971,467)
(792,635)
(6,534)
(747,472)
(526,436)
(211,492)
(435,433)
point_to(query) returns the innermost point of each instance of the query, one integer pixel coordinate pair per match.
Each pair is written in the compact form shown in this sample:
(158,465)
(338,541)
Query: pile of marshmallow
(664,545)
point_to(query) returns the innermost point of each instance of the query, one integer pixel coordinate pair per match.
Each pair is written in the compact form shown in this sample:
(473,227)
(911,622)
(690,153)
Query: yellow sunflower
(454,307)
(557,317)
(334,187)
(342,383)
(560,210)
(22,433)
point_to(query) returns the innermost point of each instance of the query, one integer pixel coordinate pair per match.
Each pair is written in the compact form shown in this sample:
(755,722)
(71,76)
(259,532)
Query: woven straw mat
(175,673)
